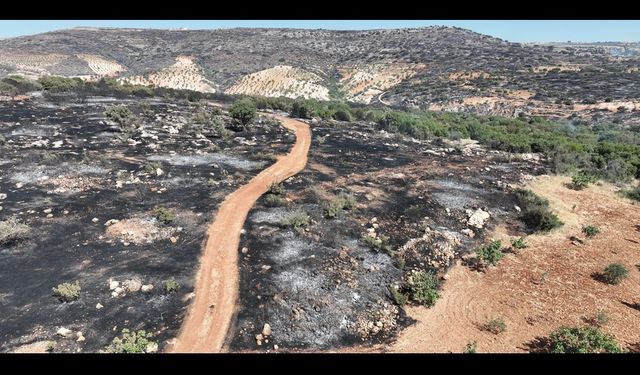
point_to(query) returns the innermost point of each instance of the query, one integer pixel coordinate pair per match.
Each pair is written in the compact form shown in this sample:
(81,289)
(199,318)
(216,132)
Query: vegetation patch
(163,215)
(490,253)
(536,213)
(341,202)
(170,286)
(582,340)
(132,342)
(495,326)
(614,273)
(519,243)
(67,292)
(12,230)
(424,288)
(590,231)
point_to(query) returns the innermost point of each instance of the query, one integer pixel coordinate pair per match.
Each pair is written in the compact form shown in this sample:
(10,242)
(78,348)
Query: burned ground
(67,172)
(322,287)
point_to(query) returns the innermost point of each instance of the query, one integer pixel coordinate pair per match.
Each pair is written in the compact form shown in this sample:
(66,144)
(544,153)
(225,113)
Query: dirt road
(208,320)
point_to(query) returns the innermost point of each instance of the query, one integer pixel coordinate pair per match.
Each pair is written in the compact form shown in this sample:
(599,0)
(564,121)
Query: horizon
(516,31)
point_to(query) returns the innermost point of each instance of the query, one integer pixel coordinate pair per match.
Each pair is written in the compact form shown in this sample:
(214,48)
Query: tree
(243,110)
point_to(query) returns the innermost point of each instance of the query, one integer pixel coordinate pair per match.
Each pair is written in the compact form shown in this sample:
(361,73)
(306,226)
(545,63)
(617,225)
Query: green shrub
(614,273)
(171,285)
(519,243)
(399,298)
(536,213)
(341,202)
(490,253)
(60,84)
(12,230)
(67,292)
(470,348)
(424,288)
(131,342)
(120,114)
(276,189)
(495,326)
(272,200)
(582,340)
(634,194)
(297,220)
(163,215)
(379,244)
(582,179)
(590,231)
(243,110)
(22,84)
(8,89)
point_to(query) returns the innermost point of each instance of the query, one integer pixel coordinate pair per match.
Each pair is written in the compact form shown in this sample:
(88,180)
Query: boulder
(266,330)
(477,218)
(64,332)
(113,284)
(132,285)
(146,288)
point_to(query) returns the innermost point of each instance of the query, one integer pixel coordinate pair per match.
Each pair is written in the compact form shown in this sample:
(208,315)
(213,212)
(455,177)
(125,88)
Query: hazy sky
(515,31)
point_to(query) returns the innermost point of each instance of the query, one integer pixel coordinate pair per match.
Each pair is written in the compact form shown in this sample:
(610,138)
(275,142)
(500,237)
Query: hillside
(438,68)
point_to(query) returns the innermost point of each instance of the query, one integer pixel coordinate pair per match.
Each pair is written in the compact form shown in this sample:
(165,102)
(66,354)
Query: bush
(490,253)
(276,189)
(302,108)
(67,292)
(470,348)
(22,84)
(379,244)
(274,201)
(60,84)
(399,298)
(171,285)
(12,230)
(590,231)
(536,213)
(582,340)
(341,202)
(614,273)
(519,243)
(132,342)
(8,89)
(297,221)
(582,179)
(634,194)
(424,288)
(119,114)
(600,319)
(243,110)
(163,215)
(495,326)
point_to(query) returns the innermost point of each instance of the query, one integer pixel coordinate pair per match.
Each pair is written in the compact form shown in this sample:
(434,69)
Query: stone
(244,250)
(259,342)
(19,185)
(468,232)
(3,196)
(111,222)
(173,239)
(152,347)
(114,294)
(374,220)
(266,267)
(266,330)
(118,290)
(517,208)
(259,337)
(64,332)
(132,285)
(146,288)
(477,218)
(95,220)
(159,172)
(375,225)
(47,211)
(80,339)
(113,284)
(276,347)
(49,215)
(99,306)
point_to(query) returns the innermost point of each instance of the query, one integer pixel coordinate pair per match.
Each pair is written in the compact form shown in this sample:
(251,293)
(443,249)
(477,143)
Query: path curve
(217,282)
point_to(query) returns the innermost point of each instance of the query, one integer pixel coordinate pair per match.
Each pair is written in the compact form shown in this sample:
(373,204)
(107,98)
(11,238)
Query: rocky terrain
(431,68)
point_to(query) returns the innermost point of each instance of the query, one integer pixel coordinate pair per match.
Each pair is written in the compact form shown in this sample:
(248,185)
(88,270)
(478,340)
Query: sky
(522,31)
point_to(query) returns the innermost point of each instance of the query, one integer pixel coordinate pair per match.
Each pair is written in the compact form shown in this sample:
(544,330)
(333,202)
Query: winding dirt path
(210,314)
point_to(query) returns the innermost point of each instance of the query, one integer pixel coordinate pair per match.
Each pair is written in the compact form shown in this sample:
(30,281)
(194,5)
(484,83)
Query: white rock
(478,218)
(468,232)
(259,337)
(111,222)
(517,208)
(50,215)
(19,185)
(99,306)
(266,330)
(119,290)
(244,250)
(159,172)
(113,284)
(375,219)
(114,294)
(146,288)
(64,332)
(47,211)
(95,220)
(275,347)
(132,285)
(3,196)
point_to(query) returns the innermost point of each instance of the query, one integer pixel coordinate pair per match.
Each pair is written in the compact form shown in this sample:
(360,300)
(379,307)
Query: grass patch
(272,200)
(379,244)
(398,297)
(170,286)
(12,230)
(276,189)
(519,243)
(67,292)
(163,215)
(614,273)
(470,348)
(495,326)
(297,221)
(341,202)
(590,231)
(490,253)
